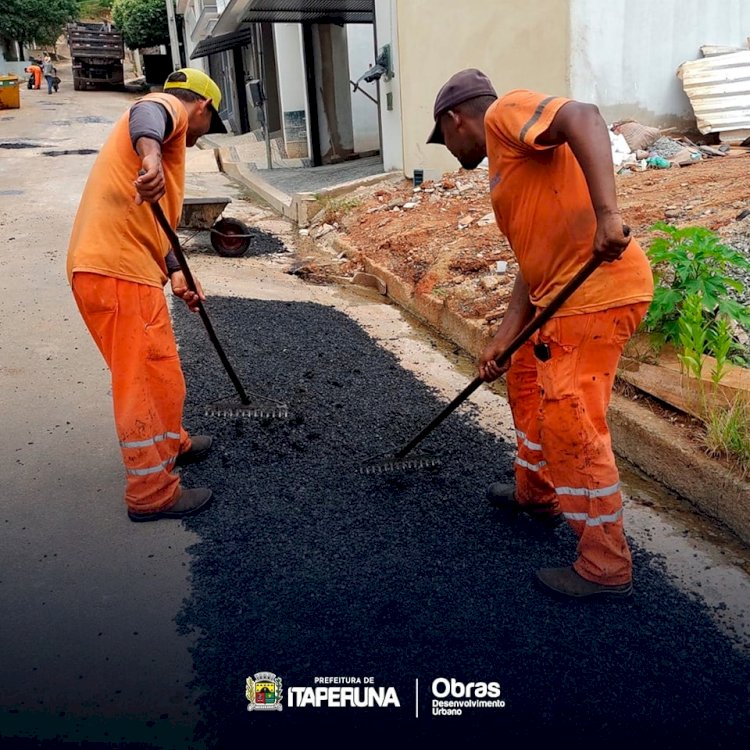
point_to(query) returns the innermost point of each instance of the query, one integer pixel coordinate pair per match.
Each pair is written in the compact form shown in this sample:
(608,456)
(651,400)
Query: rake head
(393,464)
(263,408)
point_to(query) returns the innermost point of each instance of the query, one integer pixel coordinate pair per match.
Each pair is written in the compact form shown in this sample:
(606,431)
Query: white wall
(190,19)
(386,32)
(292,87)
(624,53)
(517,43)
(361,48)
(8,68)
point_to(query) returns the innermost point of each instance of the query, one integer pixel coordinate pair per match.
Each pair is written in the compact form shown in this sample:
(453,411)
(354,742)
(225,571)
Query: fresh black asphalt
(307,568)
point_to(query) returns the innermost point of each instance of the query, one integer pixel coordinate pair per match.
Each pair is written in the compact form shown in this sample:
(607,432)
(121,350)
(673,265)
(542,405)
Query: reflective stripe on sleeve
(533,119)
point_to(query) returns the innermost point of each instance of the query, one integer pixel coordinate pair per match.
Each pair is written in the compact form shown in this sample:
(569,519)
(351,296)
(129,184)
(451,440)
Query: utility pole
(174,43)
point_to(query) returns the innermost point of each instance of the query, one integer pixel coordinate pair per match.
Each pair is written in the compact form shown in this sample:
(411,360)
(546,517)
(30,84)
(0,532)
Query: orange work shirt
(113,236)
(542,205)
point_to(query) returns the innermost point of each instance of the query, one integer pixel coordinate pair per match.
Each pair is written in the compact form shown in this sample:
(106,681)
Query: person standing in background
(48,70)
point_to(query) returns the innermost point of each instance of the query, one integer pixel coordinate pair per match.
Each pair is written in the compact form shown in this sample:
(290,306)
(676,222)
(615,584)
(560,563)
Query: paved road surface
(118,635)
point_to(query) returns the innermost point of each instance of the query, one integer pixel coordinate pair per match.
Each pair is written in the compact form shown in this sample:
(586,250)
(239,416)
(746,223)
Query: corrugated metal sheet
(719,91)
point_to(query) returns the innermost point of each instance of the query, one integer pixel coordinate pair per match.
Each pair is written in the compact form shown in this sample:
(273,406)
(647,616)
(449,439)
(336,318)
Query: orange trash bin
(10,96)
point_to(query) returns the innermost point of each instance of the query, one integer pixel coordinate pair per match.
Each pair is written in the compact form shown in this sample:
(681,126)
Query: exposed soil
(448,243)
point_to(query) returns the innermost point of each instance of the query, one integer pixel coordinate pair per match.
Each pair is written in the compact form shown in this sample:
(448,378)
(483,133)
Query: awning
(230,30)
(310,11)
(213,44)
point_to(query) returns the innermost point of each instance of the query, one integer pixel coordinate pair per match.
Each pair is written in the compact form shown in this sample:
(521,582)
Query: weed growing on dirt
(335,208)
(728,434)
(727,425)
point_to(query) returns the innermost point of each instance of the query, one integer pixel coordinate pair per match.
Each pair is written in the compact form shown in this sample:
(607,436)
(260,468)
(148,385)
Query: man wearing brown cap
(118,264)
(553,193)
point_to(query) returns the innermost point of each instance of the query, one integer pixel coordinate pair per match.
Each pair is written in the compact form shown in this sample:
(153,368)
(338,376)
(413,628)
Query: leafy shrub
(693,261)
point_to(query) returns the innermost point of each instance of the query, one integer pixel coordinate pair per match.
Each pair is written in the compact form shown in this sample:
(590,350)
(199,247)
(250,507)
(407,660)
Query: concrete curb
(278,200)
(299,207)
(648,442)
(308,204)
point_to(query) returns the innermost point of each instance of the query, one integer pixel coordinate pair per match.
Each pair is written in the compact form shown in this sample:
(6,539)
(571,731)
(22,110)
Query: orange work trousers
(565,459)
(130,324)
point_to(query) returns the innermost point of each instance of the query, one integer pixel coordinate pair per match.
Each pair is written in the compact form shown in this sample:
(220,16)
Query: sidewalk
(297,192)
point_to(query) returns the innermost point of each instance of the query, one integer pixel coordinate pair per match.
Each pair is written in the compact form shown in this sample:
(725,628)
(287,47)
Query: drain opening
(71,152)
(20,144)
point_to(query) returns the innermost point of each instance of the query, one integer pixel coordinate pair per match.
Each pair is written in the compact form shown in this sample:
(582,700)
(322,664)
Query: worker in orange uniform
(35,71)
(553,193)
(118,264)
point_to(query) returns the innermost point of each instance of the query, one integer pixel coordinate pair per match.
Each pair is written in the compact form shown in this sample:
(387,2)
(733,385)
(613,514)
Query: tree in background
(40,21)
(143,23)
(95,10)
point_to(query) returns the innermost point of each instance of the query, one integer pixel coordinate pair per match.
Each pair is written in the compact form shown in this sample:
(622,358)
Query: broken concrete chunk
(321,231)
(464,221)
(486,220)
(409,205)
(489,283)
(369,280)
(501,266)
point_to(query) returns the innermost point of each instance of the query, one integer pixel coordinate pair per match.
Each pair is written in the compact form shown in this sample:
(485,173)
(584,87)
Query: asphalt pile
(306,568)
(264,243)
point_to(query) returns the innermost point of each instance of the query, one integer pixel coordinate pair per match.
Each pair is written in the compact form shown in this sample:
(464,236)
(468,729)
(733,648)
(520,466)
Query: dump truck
(97,51)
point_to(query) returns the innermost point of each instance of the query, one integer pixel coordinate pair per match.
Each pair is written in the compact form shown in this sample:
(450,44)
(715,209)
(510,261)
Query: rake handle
(176,247)
(531,327)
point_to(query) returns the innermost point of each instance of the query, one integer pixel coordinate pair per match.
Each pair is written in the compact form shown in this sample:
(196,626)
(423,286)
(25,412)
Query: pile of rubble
(436,193)
(637,147)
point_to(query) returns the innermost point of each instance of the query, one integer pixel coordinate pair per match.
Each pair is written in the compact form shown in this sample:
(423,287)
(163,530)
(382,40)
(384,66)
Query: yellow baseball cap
(199,83)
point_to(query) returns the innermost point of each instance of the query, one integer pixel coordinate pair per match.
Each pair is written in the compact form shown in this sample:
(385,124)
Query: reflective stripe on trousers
(559,409)
(130,324)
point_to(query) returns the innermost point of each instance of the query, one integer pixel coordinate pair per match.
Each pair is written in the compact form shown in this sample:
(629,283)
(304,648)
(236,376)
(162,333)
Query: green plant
(692,335)
(721,343)
(728,433)
(693,310)
(690,261)
(143,23)
(335,208)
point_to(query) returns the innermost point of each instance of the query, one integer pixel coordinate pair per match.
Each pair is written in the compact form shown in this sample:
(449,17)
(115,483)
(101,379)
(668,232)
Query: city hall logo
(264,692)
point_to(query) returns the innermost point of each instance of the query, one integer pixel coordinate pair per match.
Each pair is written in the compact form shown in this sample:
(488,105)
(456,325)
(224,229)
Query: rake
(400,460)
(261,406)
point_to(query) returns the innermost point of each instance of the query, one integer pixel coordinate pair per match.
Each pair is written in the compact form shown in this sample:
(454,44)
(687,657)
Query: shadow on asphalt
(305,568)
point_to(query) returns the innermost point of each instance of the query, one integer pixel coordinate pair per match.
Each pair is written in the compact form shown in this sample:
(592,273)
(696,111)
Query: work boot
(502,495)
(199,449)
(567,583)
(189,503)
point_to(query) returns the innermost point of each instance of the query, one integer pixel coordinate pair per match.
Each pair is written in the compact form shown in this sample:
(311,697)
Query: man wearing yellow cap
(118,264)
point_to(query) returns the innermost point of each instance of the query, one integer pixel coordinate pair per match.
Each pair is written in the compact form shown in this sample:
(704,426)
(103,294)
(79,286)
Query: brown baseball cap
(460,87)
